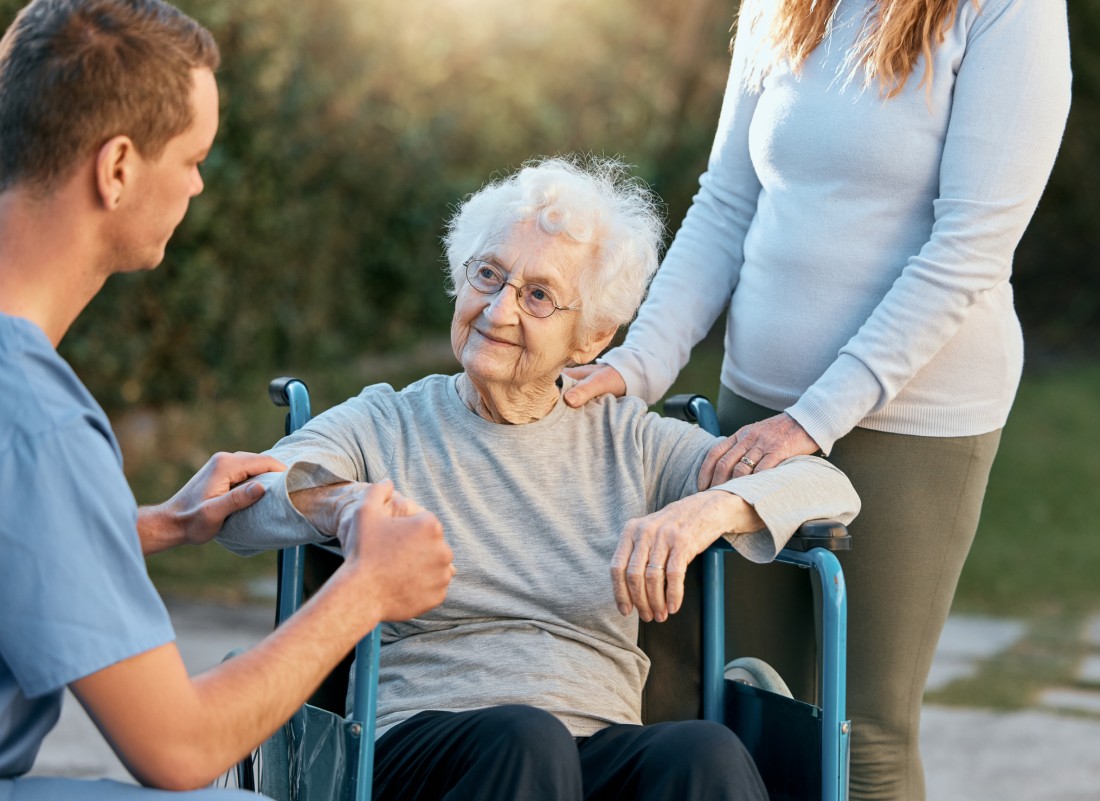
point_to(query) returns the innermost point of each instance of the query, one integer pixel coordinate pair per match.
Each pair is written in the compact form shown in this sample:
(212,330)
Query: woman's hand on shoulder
(755,447)
(593,380)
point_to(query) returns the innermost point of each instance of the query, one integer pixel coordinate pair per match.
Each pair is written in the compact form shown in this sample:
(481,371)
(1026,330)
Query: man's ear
(591,346)
(114,170)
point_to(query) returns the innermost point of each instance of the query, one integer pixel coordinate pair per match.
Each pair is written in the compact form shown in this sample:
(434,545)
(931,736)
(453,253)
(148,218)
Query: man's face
(163,188)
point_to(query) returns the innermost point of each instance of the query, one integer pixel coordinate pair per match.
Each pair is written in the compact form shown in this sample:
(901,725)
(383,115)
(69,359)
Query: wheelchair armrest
(832,535)
(828,534)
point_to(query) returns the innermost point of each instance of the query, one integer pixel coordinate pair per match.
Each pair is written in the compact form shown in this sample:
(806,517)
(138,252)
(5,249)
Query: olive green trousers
(922,497)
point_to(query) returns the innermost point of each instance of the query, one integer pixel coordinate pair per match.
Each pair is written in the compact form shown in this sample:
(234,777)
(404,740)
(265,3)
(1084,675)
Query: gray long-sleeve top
(533,514)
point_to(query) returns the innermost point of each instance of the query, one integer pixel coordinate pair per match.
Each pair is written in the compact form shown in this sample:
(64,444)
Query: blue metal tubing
(714,632)
(835,729)
(365,702)
(290,582)
(290,589)
(364,709)
(298,401)
(705,415)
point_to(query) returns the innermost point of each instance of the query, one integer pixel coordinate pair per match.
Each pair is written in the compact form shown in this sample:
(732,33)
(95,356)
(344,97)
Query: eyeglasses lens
(489,279)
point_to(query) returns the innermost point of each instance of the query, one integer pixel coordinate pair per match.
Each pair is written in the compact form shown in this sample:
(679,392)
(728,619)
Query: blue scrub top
(75,596)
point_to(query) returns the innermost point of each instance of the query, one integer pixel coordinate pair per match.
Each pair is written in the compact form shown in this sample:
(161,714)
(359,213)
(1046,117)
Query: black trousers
(520,752)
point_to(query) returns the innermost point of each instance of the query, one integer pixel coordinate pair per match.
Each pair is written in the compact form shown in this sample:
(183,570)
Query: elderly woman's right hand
(593,380)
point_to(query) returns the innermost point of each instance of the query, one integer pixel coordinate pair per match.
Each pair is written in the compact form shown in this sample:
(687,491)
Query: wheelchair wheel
(756,673)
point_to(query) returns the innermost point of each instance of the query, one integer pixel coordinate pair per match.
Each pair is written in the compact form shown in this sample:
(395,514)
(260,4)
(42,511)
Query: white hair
(590,200)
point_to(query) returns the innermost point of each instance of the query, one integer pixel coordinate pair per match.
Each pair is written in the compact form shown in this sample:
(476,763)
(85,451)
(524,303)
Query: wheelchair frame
(724,701)
(812,548)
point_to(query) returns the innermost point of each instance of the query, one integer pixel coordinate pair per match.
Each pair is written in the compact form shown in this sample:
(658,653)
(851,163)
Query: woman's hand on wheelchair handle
(756,447)
(650,562)
(593,380)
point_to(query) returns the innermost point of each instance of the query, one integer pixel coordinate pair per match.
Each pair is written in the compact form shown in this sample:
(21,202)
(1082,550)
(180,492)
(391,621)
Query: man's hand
(648,567)
(396,549)
(196,513)
(756,447)
(593,380)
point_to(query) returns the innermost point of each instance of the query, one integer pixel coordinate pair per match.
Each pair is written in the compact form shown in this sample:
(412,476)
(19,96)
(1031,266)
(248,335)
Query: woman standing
(875,165)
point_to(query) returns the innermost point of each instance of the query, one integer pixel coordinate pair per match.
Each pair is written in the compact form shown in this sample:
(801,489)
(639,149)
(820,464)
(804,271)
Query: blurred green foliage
(350,127)
(1057,270)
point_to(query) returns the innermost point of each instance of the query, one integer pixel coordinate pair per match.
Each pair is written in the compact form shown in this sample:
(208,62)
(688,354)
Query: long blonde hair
(895,35)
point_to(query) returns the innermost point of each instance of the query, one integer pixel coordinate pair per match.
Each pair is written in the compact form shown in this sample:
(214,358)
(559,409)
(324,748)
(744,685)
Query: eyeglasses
(534,299)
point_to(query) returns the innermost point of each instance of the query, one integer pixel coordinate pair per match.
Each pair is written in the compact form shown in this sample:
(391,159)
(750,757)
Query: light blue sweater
(867,243)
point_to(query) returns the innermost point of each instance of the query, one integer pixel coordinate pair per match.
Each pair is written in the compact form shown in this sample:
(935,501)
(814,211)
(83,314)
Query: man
(107,109)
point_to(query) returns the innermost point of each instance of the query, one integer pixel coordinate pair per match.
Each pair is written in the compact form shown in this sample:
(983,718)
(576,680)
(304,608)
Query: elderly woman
(526,682)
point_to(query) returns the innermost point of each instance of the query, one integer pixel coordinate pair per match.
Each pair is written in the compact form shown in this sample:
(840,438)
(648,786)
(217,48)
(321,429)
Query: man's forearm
(177,733)
(155,531)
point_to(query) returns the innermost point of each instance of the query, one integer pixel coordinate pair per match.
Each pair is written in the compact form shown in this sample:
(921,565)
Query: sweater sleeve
(337,446)
(800,489)
(700,271)
(1010,103)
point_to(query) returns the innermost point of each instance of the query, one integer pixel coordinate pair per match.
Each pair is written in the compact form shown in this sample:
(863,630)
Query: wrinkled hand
(329,508)
(396,550)
(195,514)
(649,565)
(764,445)
(594,380)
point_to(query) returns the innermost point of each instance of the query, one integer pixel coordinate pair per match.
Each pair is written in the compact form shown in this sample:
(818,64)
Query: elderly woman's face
(494,339)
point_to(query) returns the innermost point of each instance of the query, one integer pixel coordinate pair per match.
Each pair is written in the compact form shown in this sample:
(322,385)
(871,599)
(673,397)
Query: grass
(1036,556)
(1046,656)
(1037,551)
(1038,546)
(162,449)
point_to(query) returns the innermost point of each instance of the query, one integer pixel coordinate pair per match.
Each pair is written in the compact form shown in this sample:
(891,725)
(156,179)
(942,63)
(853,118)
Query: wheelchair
(800,748)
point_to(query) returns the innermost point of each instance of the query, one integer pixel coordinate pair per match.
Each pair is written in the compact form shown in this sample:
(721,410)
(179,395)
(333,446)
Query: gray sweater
(533,514)
(864,245)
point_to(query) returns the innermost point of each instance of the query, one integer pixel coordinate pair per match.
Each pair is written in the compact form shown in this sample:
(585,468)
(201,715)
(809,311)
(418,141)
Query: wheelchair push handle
(293,393)
(693,409)
(831,535)
(278,390)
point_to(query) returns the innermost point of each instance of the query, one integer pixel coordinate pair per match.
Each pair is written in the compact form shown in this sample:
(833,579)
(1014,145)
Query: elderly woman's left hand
(755,447)
(648,567)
